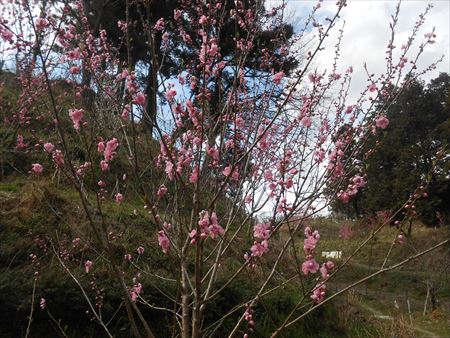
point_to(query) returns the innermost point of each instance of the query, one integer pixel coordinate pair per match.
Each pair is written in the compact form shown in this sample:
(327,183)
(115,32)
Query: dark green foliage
(419,123)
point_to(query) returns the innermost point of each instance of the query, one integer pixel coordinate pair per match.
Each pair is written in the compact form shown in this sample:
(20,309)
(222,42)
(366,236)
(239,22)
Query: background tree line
(405,154)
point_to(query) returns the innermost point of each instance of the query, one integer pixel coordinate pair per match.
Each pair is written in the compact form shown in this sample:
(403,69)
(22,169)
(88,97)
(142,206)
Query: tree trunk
(149,117)
(185,322)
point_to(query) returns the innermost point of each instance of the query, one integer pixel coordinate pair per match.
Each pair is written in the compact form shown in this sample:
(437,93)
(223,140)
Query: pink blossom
(41,23)
(49,147)
(268,176)
(58,158)
(306,121)
(169,170)
(162,190)
(326,267)
(176,14)
(382,122)
(372,87)
(310,266)
(42,304)
(194,176)
(324,271)
(101,147)
(140,250)
(259,249)
(309,244)
(87,266)
(159,26)
(6,35)
(135,291)
(202,20)
(37,168)
(289,183)
(110,149)
(213,50)
(170,94)
(278,77)
(215,229)
(134,296)
(139,99)
(119,198)
(73,54)
(261,230)
(227,171)
(314,78)
(192,236)
(240,123)
(104,165)
(336,76)
(74,70)
(76,115)
(343,196)
(319,293)
(20,144)
(213,152)
(401,239)
(163,241)
(235,175)
(126,112)
(358,181)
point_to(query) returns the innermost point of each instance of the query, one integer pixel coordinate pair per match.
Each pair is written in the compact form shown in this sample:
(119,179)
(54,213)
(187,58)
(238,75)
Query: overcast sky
(366,33)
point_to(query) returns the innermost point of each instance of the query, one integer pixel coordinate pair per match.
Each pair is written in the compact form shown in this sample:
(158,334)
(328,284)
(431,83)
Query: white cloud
(367,33)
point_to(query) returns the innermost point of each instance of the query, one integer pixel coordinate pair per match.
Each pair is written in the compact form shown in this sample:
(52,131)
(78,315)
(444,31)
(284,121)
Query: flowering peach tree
(233,171)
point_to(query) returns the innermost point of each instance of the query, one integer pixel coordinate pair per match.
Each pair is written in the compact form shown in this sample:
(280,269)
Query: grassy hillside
(40,216)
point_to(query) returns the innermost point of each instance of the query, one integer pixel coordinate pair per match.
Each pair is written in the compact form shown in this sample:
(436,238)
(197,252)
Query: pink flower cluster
(209,226)
(108,150)
(335,164)
(37,168)
(311,265)
(319,293)
(135,291)
(309,246)
(81,169)
(382,122)
(261,232)
(357,182)
(76,116)
(87,266)
(174,160)
(162,191)
(119,198)
(58,158)
(163,241)
(139,98)
(248,317)
(278,77)
(20,144)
